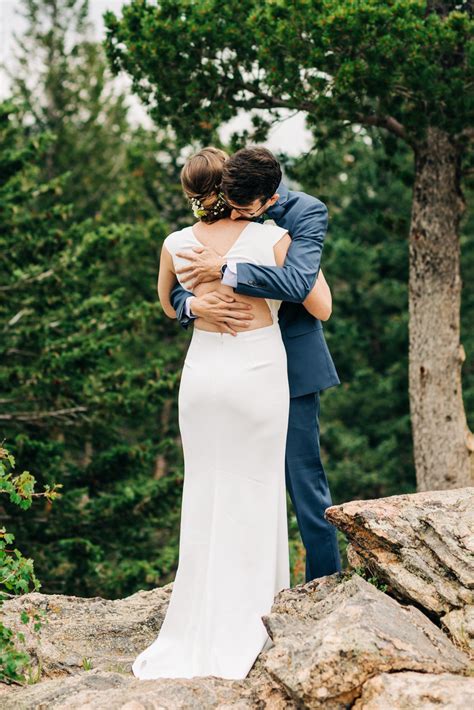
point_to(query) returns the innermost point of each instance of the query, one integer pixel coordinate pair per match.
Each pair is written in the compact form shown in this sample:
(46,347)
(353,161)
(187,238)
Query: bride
(233,417)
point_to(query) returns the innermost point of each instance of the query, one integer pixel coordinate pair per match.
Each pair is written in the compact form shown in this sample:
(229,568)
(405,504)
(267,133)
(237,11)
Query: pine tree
(90,368)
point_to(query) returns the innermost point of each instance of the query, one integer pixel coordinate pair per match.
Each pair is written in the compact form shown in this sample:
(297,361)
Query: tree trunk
(443,444)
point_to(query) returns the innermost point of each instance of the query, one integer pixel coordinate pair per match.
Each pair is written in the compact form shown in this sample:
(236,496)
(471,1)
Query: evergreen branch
(28,279)
(35,416)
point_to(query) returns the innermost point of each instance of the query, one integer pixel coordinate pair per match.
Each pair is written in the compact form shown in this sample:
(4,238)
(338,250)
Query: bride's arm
(319,301)
(166,281)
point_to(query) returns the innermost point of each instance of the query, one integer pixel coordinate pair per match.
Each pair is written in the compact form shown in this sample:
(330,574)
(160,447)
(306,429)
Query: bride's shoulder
(177,239)
(272,231)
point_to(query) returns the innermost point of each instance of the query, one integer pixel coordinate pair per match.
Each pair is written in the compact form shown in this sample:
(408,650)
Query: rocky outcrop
(78,630)
(327,645)
(105,636)
(338,641)
(98,690)
(417,691)
(422,546)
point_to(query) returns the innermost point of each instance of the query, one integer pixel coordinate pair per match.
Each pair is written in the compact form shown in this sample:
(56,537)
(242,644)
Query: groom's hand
(223,310)
(205,266)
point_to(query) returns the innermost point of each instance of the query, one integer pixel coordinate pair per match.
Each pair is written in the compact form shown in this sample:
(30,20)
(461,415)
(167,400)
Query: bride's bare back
(241,241)
(222,236)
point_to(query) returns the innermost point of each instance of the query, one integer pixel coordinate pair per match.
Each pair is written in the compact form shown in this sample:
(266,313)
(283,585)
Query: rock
(100,689)
(422,546)
(97,689)
(338,641)
(423,691)
(460,626)
(106,633)
(331,638)
(109,634)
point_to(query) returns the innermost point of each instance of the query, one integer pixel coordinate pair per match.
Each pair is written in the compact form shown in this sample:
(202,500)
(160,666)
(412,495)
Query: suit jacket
(310,365)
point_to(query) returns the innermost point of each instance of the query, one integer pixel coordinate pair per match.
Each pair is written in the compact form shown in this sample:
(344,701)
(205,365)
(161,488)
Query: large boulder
(422,546)
(80,632)
(423,691)
(330,638)
(97,689)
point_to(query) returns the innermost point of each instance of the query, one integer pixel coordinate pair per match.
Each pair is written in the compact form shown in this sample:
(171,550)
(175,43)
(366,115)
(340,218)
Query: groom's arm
(294,280)
(179,300)
(222,309)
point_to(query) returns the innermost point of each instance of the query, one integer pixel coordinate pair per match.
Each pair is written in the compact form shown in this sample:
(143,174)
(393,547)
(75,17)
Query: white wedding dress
(233,548)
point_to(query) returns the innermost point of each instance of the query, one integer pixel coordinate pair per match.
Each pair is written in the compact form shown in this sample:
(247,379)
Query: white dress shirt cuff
(230,274)
(187,307)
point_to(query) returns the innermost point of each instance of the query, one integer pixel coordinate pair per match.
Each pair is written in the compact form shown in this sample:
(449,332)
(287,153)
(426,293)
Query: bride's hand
(205,266)
(222,310)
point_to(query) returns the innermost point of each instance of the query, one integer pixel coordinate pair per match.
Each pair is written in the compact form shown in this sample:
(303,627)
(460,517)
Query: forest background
(90,365)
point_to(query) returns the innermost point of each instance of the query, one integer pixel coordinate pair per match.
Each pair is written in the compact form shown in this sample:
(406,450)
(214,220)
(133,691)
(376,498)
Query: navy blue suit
(310,366)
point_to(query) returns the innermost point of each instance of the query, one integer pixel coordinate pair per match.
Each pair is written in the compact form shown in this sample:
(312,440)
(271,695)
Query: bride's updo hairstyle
(201,181)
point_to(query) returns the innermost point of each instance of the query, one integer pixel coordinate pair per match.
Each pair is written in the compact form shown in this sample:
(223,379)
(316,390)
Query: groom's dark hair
(250,174)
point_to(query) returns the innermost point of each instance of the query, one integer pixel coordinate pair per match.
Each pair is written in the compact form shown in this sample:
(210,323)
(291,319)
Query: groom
(252,188)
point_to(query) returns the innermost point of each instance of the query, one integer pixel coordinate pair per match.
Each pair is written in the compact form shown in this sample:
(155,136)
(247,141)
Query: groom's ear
(274,199)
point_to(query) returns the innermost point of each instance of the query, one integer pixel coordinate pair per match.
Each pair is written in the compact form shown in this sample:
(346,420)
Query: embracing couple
(248,408)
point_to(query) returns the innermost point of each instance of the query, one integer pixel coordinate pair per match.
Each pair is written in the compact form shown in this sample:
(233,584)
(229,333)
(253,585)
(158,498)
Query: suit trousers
(308,487)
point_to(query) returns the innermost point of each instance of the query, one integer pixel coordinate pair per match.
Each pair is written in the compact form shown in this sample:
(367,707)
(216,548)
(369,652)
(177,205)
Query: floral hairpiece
(198,208)
(200,211)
